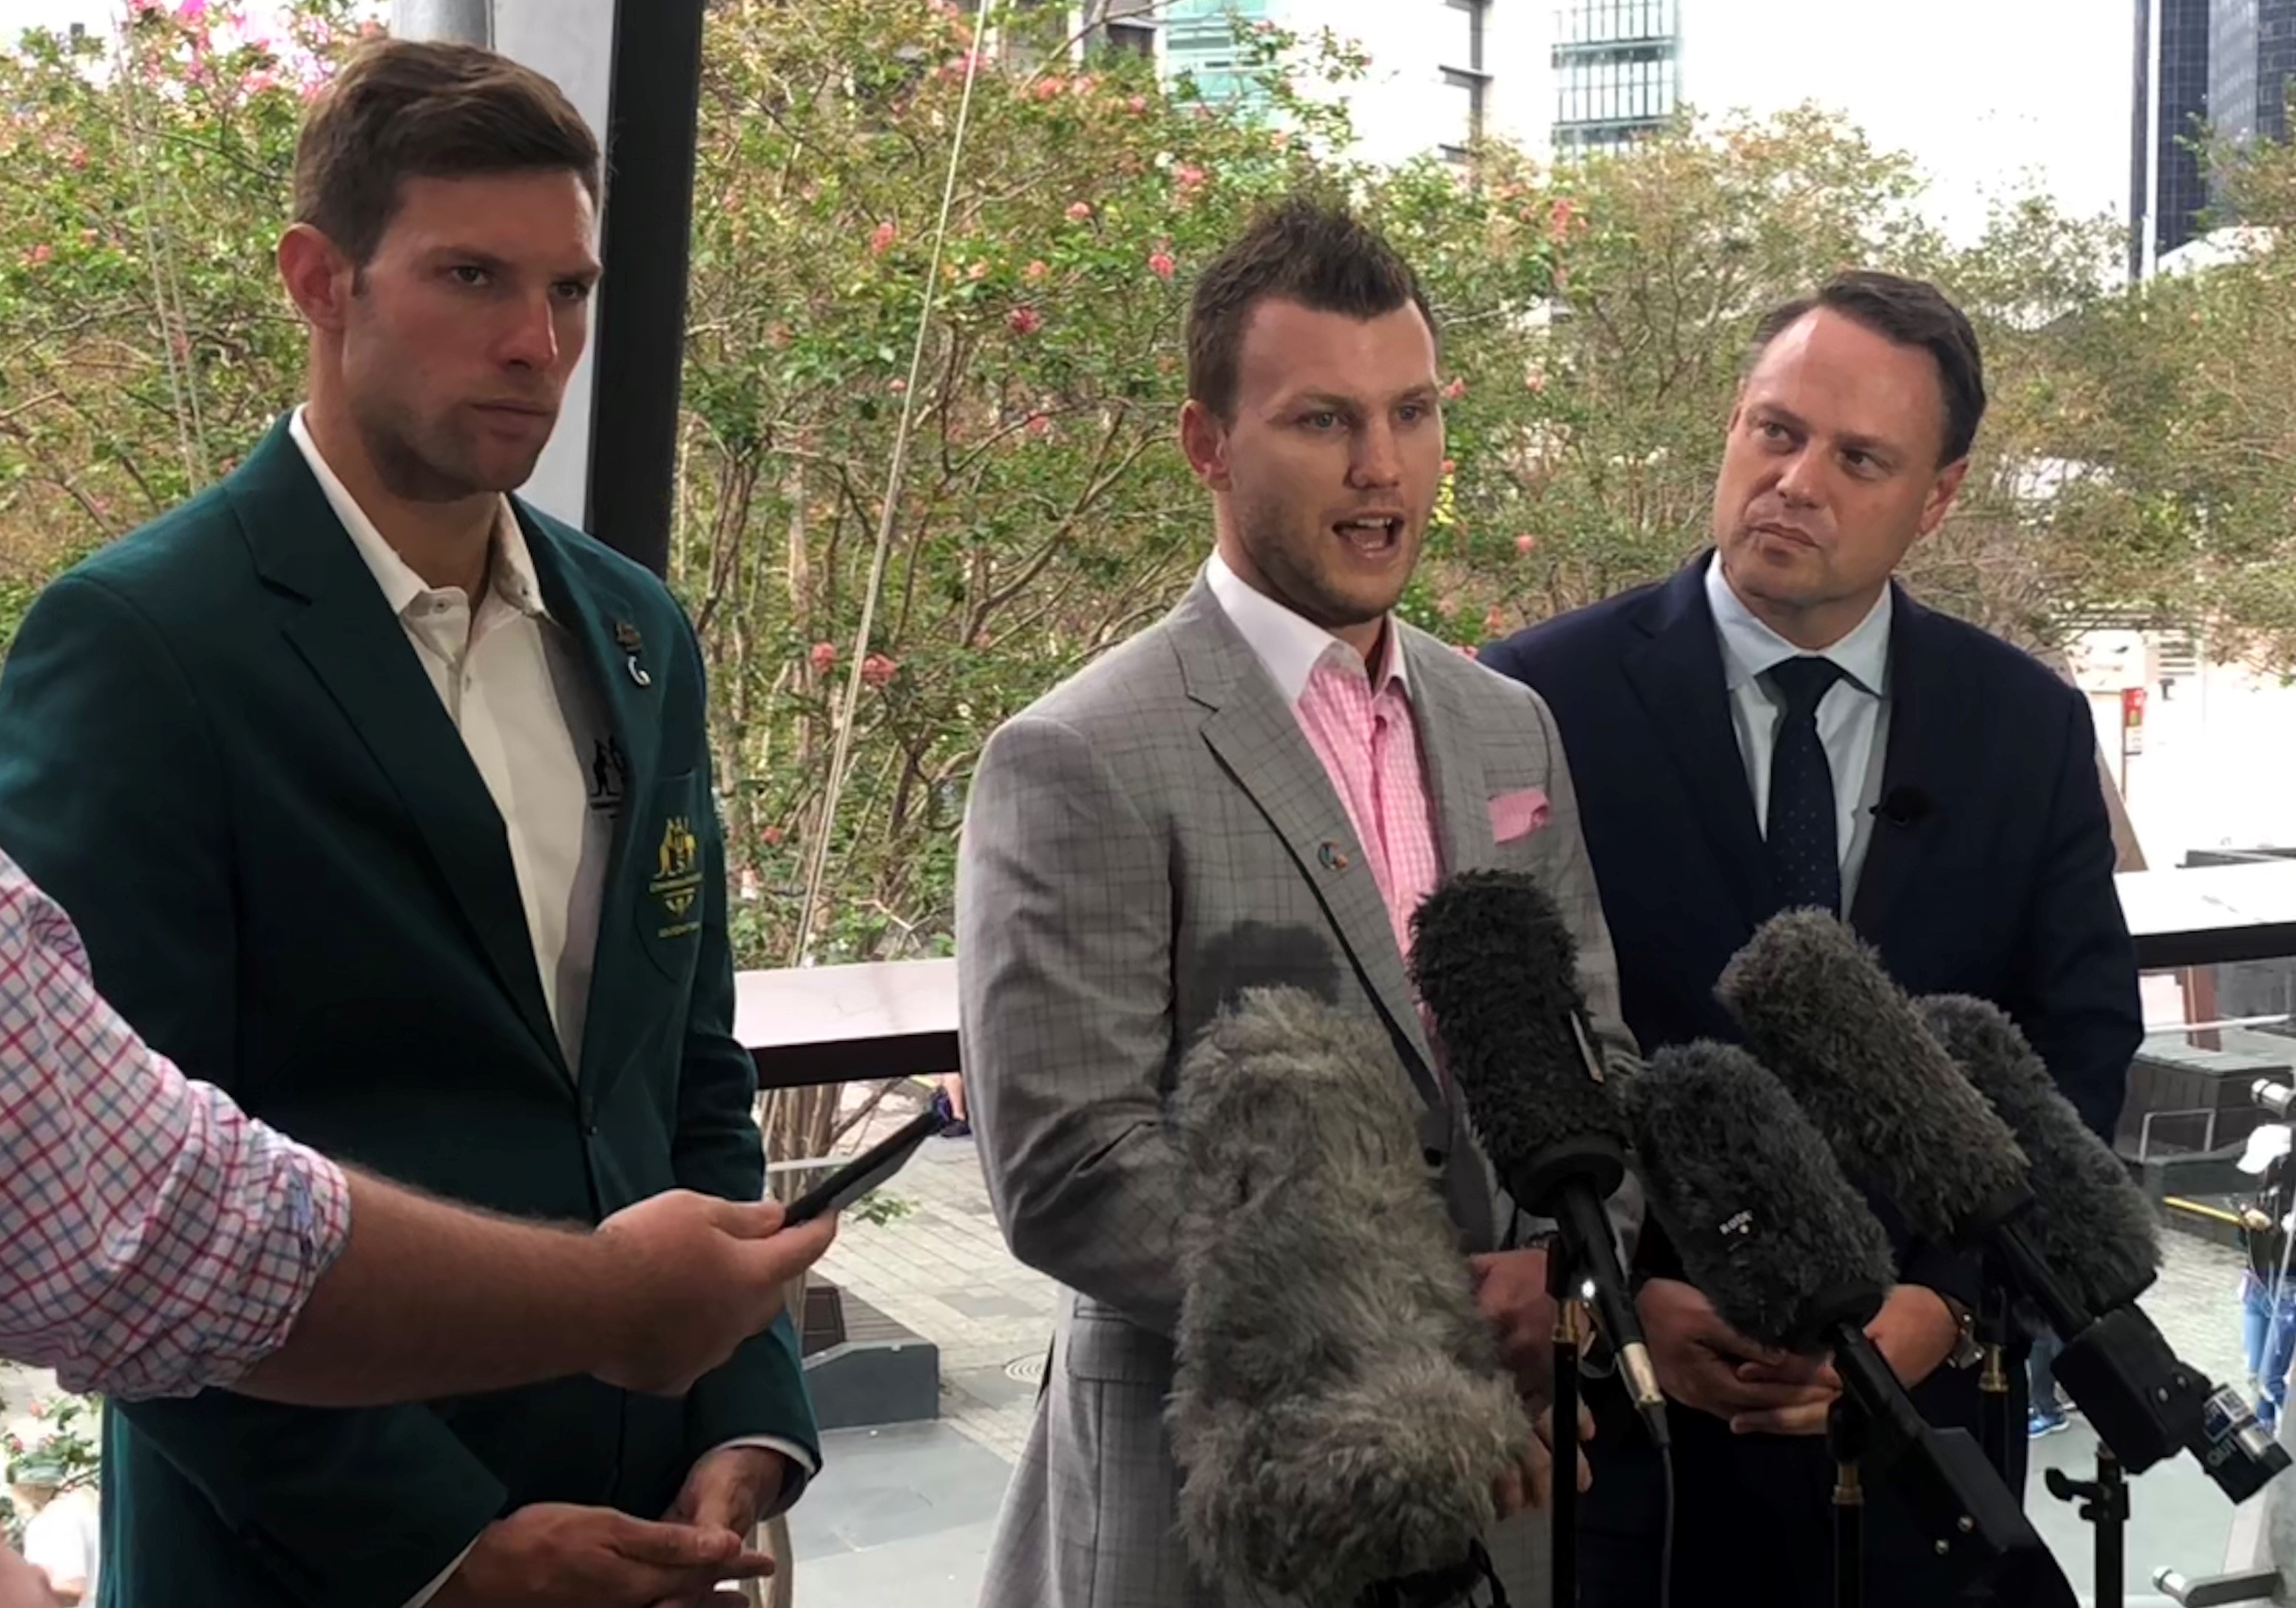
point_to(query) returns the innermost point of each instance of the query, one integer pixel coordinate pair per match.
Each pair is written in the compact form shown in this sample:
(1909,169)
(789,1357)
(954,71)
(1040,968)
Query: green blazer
(218,751)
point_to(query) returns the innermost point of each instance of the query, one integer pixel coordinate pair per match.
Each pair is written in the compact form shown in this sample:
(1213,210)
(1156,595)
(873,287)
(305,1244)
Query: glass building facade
(1617,71)
(2166,185)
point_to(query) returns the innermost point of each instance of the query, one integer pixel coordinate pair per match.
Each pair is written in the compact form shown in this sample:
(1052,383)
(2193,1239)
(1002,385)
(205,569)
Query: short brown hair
(1910,312)
(404,108)
(1308,250)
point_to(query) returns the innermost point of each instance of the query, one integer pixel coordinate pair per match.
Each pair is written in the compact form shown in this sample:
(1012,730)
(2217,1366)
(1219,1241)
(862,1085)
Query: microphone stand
(2104,1502)
(1846,1438)
(1992,1325)
(1562,1281)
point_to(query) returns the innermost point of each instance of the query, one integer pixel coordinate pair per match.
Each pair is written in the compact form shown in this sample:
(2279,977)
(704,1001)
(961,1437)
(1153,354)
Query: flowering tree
(1594,316)
(144,343)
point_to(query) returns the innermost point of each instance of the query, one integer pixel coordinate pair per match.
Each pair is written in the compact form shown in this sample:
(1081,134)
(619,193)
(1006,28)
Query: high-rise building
(2173,103)
(1443,73)
(2251,57)
(1617,71)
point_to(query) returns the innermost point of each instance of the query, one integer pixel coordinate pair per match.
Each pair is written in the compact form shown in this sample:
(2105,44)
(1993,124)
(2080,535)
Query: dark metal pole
(652,130)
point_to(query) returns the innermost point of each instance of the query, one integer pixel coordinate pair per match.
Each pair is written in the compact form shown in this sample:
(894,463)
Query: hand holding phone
(859,1176)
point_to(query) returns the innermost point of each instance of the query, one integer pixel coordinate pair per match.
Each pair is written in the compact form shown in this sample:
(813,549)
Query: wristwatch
(1966,1352)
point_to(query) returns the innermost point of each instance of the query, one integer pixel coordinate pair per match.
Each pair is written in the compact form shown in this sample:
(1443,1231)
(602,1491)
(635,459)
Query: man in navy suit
(1778,726)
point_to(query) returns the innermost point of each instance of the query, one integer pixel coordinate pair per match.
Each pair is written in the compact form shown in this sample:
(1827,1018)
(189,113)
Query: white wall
(2218,765)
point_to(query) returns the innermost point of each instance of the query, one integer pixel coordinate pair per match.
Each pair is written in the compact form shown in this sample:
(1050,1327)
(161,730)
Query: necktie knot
(1805,681)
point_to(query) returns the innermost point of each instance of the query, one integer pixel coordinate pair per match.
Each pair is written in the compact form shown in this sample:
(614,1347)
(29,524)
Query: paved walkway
(943,1272)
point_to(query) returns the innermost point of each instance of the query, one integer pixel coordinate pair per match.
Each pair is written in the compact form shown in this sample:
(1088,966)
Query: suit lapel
(1455,771)
(1676,674)
(596,609)
(1918,754)
(1256,738)
(346,632)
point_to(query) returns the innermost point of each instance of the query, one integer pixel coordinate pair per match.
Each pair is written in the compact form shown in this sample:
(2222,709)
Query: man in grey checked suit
(1182,820)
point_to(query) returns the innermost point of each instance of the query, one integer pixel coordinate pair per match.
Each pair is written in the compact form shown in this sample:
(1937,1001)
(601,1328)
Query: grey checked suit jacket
(1140,844)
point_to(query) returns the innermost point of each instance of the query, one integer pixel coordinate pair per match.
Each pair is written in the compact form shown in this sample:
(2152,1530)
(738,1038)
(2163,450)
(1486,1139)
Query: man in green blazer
(384,801)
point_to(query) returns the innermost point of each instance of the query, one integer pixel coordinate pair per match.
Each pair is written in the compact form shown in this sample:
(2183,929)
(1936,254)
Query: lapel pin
(1330,856)
(626,638)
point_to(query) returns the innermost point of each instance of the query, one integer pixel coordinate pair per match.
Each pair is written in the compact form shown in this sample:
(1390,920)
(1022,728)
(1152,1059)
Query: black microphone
(1771,1231)
(1498,967)
(1820,1012)
(2093,1225)
(1338,1415)
(2089,1221)
(1903,805)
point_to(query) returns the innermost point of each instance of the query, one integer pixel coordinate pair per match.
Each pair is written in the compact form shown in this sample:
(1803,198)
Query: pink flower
(777,336)
(1560,217)
(1187,175)
(1448,465)
(823,657)
(1454,390)
(1080,212)
(193,11)
(39,254)
(1039,425)
(1160,264)
(80,158)
(1137,105)
(978,270)
(1024,321)
(877,669)
(883,240)
(771,837)
(1035,270)
(1086,82)
(1535,381)
(1494,622)
(1526,543)
(1050,89)
(898,387)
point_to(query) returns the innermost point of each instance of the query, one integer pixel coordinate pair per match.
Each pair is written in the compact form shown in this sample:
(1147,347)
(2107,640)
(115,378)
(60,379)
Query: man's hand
(1914,1331)
(556,1555)
(21,1585)
(1703,1363)
(729,1490)
(697,1276)
(1530,1483)
(1511,1293)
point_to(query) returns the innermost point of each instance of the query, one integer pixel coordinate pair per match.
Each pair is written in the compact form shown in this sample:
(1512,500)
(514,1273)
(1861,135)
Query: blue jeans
(2271,1340)
(2041,1371)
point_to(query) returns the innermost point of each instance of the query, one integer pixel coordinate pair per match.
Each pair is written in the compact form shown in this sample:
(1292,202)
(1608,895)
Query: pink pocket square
(1518,814)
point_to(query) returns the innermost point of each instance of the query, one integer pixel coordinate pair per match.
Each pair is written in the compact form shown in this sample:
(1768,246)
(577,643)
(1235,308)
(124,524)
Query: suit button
(589,1116)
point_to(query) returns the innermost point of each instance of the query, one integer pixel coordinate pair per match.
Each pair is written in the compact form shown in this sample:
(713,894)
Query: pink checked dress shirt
(154,1239)
(1362,730)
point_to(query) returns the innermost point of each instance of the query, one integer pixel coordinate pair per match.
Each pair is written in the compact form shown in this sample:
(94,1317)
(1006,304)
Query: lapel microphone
(1903,805)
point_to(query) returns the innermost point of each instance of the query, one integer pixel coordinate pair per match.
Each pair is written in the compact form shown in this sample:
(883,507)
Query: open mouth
(1374,536)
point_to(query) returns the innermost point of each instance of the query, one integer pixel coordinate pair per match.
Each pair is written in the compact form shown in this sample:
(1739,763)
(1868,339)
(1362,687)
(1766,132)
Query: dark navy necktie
(1805,848)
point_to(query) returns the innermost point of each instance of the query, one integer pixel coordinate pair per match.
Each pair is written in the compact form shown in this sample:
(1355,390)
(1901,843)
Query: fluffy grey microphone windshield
(2089,1220)
(1339,1415)
(1753,1200)
(1819,1010)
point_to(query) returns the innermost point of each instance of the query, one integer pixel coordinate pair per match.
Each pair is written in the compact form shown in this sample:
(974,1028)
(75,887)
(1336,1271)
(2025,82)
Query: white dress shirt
(1853,718)
(513,681)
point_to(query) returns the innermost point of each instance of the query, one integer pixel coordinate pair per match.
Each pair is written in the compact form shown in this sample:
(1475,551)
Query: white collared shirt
(1288,644)
(512,681)
(1853,718)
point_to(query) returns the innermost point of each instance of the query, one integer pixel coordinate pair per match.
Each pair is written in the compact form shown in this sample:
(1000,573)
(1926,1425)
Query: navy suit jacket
(1990,874)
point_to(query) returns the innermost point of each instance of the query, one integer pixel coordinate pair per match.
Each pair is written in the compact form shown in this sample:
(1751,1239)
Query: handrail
(898,1018)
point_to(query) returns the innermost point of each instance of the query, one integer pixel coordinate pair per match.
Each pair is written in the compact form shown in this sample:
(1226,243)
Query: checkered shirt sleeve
(154,1239)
